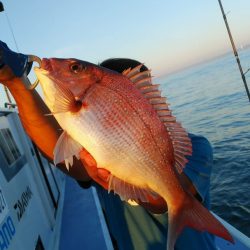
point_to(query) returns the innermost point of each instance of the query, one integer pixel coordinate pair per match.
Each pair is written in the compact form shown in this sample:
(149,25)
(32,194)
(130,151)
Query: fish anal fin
(128,191)
(192,214)
(65,149)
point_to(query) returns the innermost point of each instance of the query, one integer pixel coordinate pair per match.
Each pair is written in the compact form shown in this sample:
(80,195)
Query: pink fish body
(127,127)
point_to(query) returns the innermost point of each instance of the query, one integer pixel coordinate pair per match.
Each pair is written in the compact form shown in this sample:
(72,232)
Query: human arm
(43,130)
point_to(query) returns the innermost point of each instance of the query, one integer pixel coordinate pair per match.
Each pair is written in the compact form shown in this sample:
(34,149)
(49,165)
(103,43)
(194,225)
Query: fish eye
(76,67)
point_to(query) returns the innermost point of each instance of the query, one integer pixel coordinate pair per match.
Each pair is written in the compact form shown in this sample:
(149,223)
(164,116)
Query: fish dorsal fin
(65,149)
(139,78)
(128,191)
(181,142)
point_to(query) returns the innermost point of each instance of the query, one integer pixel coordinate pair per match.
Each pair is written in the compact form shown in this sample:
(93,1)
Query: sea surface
(210,99)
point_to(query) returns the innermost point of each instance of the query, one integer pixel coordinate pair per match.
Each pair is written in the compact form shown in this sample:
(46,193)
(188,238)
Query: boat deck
(83,224)
(224,245)
(84,227)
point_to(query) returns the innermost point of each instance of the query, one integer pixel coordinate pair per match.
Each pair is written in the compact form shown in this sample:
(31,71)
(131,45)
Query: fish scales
(146,112)
(113,125)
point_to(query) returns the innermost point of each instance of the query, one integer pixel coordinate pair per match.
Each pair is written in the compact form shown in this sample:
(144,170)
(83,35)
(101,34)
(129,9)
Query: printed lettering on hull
(7,227)
(3,206)
(23,202)
(7,232)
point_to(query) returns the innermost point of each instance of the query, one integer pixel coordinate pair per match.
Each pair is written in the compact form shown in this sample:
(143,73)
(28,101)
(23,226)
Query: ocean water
(209,99)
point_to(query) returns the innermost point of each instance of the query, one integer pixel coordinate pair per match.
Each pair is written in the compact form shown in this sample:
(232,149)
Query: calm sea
(210,100)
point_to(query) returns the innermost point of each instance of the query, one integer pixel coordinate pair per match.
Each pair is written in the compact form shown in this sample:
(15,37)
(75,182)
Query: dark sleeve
(19,63)
(84,184)
(199,166)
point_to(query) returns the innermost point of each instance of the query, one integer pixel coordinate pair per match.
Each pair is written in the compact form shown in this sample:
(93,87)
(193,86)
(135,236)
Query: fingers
(101,182)
(103,174)
(87,159)
(100,175)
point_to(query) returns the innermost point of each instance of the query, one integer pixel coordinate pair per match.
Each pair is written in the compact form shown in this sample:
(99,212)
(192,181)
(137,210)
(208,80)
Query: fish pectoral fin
(65,149)
(65,100)
(128,191)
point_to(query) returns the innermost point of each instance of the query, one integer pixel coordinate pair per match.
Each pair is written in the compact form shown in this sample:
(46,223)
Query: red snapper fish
(126,125)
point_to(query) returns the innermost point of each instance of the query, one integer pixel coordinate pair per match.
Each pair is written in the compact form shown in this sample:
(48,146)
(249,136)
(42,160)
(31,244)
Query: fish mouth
(42,72)
(44,69)
(46,65)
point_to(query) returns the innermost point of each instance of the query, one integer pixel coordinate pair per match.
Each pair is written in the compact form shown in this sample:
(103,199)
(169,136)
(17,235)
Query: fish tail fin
(192,214)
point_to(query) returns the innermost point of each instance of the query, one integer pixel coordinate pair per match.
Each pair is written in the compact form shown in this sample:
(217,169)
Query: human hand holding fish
(156,205)
(99,175)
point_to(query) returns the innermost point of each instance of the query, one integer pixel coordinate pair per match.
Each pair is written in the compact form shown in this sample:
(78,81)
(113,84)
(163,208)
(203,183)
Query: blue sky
(166,35)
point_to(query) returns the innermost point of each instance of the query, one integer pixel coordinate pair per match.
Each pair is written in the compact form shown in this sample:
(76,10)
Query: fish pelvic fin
(193,214)
(181,143)
(65,149)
